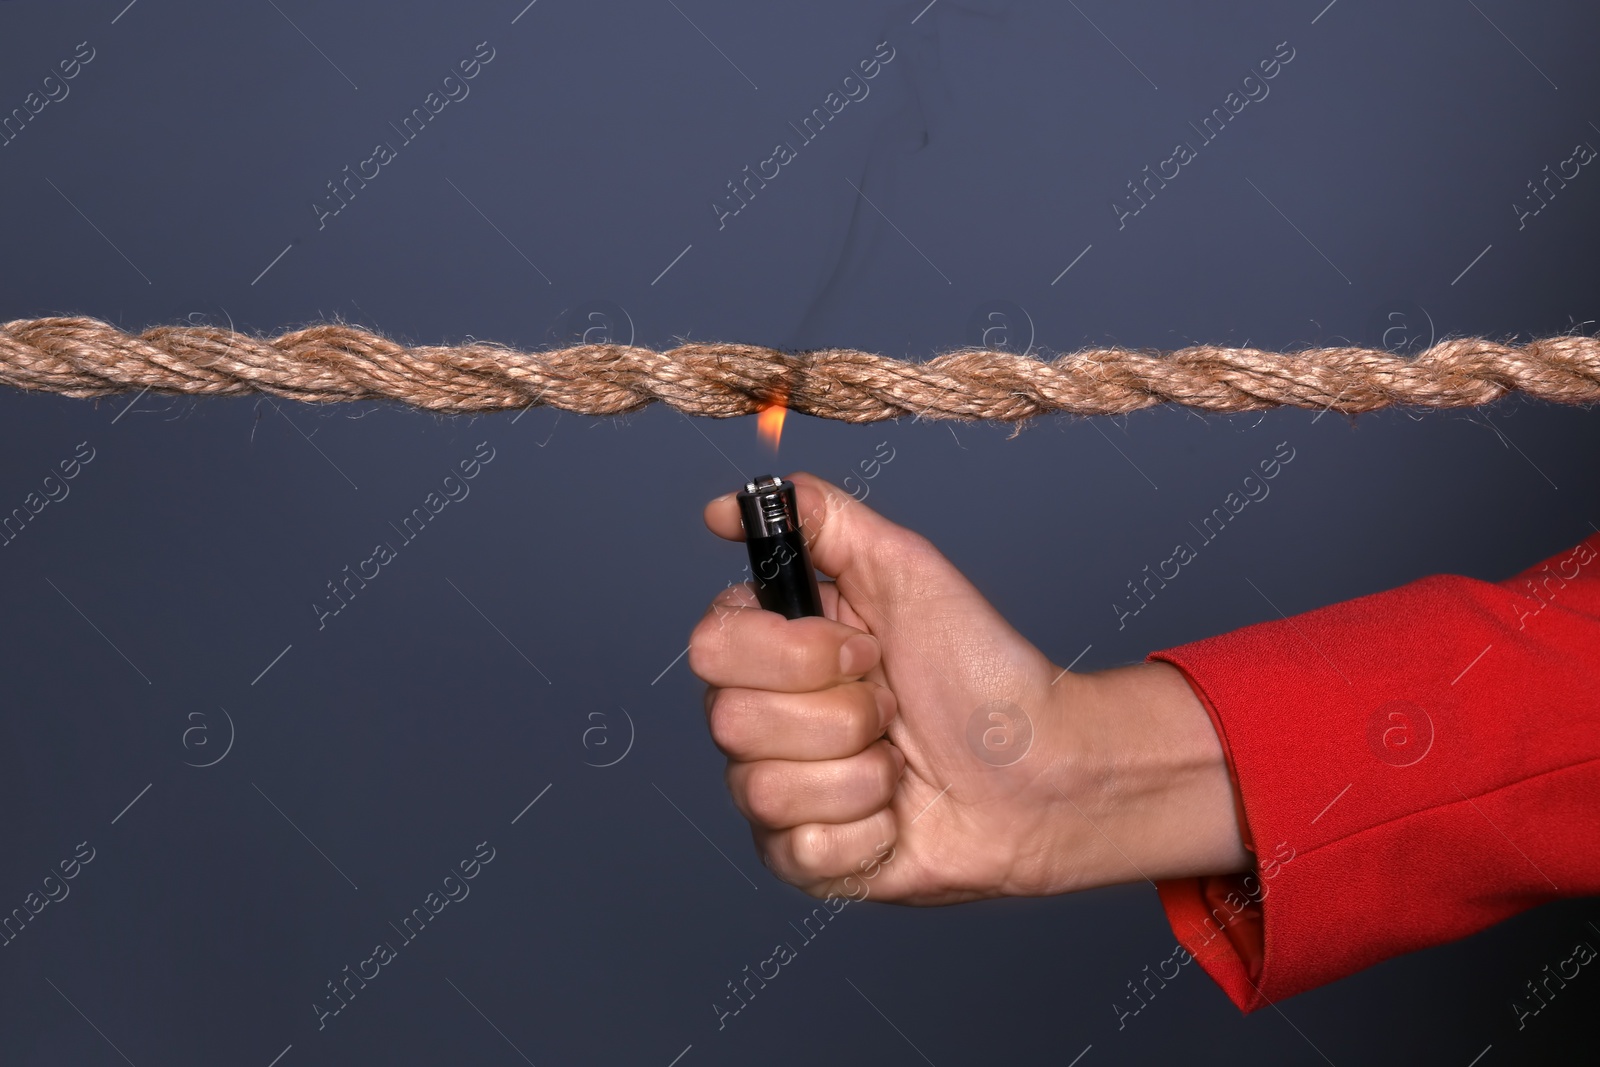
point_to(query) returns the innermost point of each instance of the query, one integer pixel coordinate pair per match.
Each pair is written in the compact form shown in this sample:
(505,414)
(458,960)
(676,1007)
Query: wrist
(1149,776)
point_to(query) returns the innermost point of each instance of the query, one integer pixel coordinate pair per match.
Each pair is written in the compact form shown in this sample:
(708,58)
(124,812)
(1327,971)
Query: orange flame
(769,422)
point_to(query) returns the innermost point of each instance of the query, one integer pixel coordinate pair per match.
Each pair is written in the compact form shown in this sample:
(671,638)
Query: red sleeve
(1412,767)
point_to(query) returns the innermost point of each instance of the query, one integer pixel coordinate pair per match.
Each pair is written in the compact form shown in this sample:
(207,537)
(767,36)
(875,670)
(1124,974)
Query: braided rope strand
(332,362)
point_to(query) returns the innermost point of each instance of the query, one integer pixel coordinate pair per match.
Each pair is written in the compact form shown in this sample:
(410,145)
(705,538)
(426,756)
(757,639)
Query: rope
(84,357)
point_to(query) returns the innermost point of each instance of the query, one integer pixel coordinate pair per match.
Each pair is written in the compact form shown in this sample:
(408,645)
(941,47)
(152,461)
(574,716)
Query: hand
(877,726)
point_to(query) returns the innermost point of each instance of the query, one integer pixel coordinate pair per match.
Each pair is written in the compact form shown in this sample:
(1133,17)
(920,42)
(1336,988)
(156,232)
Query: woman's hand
(914,717)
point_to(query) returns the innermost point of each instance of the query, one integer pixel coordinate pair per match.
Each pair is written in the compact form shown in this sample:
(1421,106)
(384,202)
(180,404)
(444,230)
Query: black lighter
(779,562)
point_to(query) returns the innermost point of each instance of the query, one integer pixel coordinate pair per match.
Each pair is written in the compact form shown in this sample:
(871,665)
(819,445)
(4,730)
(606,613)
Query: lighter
(779,562)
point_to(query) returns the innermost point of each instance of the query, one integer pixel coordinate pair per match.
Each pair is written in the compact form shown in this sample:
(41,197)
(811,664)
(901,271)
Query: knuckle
(809,847)
(729,721)
(769,850)
(709,641)
(702,647)
(765,795)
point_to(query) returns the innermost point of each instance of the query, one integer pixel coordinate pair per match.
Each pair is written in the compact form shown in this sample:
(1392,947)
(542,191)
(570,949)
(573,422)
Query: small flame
(769,422)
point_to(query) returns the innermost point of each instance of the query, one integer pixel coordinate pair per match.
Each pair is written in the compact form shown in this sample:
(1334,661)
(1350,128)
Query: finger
(743,595)
(777,794)
(819,852)
(753,649)
(755,724)
(722,517)
(736,595)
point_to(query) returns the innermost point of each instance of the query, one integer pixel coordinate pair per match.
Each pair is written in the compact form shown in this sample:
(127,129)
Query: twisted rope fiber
(84,357)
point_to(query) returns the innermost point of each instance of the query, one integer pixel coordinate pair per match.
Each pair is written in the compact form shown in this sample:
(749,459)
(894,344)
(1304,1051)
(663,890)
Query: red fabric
(1370,839)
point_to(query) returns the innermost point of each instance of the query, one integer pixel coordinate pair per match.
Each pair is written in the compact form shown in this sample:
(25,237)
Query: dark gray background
(416,724)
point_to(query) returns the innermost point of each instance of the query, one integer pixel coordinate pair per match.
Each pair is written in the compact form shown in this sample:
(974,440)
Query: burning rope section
(332,362)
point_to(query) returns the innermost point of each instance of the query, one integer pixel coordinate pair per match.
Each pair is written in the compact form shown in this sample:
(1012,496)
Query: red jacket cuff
(1412,767)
